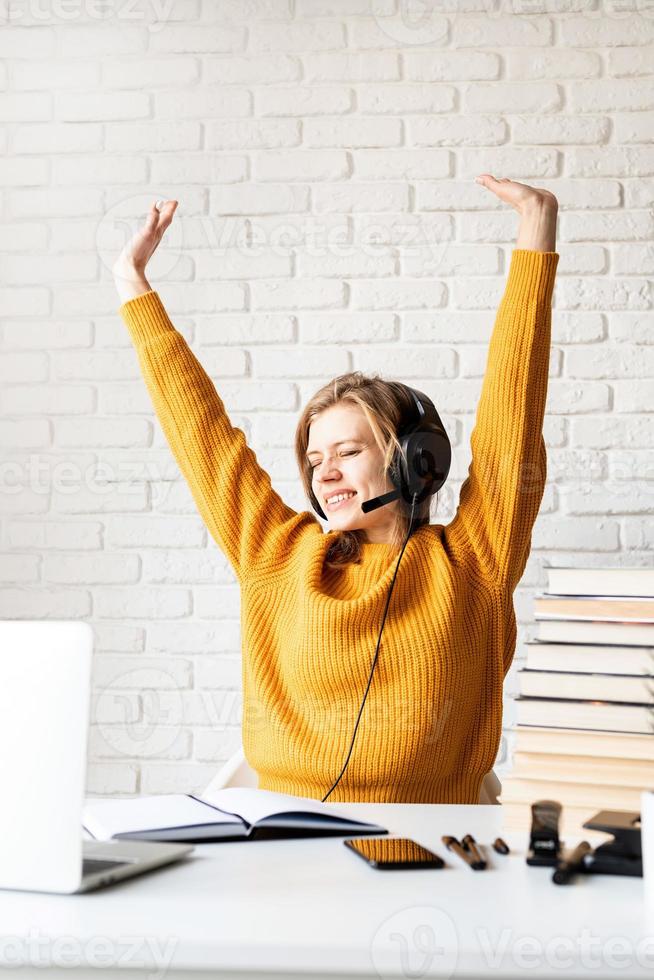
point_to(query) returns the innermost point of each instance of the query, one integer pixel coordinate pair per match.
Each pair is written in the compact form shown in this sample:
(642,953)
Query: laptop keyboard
(91,866)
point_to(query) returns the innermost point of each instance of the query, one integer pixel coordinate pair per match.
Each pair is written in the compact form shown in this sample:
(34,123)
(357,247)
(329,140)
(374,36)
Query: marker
(452,844)
(570,865)
(500,846)
(470,845)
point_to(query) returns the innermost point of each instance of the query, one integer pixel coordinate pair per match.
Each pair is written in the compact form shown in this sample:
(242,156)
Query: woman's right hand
(139,249)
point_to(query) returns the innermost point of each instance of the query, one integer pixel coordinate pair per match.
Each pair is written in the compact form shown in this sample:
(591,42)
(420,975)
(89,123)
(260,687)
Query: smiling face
(345,457)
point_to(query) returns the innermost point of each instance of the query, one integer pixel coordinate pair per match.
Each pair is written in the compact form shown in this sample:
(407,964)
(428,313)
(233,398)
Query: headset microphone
(419,470)
(386,498)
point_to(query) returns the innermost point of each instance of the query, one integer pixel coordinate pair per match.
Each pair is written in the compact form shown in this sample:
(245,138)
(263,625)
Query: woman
(312,603)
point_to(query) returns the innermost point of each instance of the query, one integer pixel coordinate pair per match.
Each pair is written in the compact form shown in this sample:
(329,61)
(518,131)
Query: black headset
(421,468)
(417,471)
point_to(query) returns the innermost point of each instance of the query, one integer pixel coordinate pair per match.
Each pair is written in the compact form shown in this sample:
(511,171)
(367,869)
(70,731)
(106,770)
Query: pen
(569,865)
(452,844)
(470,844)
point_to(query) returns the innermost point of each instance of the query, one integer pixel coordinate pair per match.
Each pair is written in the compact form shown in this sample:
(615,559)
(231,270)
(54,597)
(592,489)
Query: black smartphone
(386,853)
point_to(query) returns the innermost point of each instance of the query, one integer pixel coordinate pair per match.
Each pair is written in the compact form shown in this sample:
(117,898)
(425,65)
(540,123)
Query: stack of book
(585,709)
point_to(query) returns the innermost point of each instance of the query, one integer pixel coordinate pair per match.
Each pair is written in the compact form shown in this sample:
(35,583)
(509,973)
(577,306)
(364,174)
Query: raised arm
(245,516)
(501,496)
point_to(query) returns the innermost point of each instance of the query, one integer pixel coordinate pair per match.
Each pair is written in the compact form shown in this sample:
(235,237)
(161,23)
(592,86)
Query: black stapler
(621,856)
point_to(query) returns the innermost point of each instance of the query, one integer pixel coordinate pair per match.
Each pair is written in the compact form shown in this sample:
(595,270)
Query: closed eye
(351,452)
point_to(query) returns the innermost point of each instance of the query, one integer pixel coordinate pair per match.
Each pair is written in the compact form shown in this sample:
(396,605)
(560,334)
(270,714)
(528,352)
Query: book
(600,581)
(232,813)
(590,658)
(585,721)
(599,715)
(575,741)
(584,769)
(606,609)
(579,687)
(581,631)
(601,797)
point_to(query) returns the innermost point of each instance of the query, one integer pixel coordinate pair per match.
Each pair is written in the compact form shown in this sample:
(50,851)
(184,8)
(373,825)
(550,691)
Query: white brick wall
(338,139)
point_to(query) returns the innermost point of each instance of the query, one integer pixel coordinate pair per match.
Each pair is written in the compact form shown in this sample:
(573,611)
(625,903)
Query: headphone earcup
(428,456)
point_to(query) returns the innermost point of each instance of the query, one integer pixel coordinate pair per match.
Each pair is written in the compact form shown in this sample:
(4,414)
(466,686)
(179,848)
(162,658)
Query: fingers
(160,215)
(488,178)
(165,208)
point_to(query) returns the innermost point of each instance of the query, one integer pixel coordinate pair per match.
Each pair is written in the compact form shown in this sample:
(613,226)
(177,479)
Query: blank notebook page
(255,804)
(105,818)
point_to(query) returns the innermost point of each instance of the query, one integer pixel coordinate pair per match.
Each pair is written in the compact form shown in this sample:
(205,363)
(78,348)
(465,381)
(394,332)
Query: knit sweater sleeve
(234,496)
(501,496)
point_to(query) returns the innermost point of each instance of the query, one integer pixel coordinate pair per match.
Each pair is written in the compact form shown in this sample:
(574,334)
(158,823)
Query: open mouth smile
(340,503)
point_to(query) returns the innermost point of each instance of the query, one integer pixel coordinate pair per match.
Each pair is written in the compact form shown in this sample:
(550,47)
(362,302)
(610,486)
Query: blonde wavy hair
(386,405)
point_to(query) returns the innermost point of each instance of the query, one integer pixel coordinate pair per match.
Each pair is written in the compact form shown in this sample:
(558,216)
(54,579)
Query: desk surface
(311,908)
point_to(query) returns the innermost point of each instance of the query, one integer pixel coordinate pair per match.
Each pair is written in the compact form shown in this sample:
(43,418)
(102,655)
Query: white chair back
(238,772)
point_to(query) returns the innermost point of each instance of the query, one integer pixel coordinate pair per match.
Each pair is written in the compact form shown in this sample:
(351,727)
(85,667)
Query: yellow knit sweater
(431,725)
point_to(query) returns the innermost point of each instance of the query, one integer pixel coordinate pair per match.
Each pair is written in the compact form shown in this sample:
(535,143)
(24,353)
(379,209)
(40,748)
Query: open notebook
(234,813)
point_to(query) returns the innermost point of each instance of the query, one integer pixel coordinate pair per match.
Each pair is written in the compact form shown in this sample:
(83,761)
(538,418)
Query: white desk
(310,908)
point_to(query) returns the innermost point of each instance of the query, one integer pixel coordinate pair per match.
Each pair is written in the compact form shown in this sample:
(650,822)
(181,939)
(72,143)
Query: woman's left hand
(521,197)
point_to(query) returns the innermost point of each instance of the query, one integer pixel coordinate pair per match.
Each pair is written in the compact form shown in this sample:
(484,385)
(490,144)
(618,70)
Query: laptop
(45,688)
